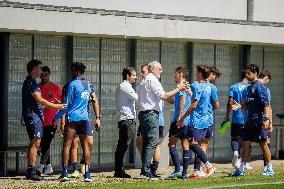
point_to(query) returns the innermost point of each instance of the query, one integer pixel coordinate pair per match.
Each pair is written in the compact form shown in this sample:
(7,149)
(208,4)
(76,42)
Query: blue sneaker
(237,173)
(176,174)
(87,177)
(268,172)
(64,176)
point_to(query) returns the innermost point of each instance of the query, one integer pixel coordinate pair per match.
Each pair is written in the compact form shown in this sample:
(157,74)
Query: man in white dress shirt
(125,98)
(150,93)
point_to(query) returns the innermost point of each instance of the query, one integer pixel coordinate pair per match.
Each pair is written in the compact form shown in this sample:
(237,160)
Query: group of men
(193,118)
(192,121)
(40,117)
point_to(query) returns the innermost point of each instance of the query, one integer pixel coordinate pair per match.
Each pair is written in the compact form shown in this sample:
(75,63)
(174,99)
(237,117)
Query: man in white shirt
(125,98)
(150,93)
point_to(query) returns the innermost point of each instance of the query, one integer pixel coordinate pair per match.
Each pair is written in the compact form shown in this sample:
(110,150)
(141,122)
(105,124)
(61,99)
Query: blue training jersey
(256,100)
(237,93)
(268,94)
(161,115)
(201,92)
(30,108)
(177,106)
(213,99)
(77,100)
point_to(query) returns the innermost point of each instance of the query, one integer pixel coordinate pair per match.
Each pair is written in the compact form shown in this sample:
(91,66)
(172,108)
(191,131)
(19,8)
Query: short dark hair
(127,71)
(78,67)
(32,64)
(204,70)
(45,69)
(243,75)
(264,73)
(182,70)
(253,68)
(215,71)
(144,65)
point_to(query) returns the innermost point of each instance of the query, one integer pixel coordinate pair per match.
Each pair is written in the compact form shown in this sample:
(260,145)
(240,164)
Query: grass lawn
(219,180)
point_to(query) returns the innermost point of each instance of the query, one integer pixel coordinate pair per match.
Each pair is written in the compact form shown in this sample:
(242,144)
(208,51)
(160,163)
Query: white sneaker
(48,170)
(40,168)
(75,174)
(238,163)
(248,167)
(201,173)
(234,160)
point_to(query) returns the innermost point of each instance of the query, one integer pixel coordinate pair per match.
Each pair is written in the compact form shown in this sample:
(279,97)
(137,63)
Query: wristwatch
(98,117)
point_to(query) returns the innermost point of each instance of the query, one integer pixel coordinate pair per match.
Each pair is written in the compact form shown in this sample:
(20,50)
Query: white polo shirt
(150,92)
(125,98)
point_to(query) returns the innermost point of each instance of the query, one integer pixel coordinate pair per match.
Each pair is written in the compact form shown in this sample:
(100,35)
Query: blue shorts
(83,127)
(253,132)
(180,133)
(196,134)
(210,131)
(34,126)
(237,130)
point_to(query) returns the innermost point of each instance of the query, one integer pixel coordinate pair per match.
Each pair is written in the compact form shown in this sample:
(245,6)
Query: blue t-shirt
(237,93)
(77,100)
(161,116)
(213,99)
(202,93)
(268,94)
(30,108)
(256,99)
(177,106)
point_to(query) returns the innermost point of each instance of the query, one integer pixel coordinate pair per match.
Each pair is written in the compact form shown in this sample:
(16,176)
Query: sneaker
(268,172)
(183,176)
(121,174)
(75,174)
(87,177)
(175,174)
(248,167)
(40,168)
(238,163)
(201,174)
(234,160)
(33,176)
(265,168)
(48,170)
(194,175)
(149,176)
(237,173)
(64,176)
(210,170)
(83,168)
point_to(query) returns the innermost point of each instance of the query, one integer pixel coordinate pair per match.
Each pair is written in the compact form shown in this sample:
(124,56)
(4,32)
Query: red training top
(50,92)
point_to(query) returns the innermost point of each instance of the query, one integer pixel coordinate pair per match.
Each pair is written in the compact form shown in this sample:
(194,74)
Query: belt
(148,111)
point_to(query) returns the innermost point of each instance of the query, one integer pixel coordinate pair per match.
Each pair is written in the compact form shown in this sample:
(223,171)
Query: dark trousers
(48,135)
(149,121)
(126,133)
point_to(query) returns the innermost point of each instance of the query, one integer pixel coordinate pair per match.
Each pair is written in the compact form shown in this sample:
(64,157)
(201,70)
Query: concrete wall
(229,9)
(269,10)
(69,22)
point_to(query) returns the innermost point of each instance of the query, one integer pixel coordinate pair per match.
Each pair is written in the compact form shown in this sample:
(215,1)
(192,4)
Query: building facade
(109,35)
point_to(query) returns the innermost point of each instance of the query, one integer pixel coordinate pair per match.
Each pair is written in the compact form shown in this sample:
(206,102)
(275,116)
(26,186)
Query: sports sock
(199,152)
(175,158)
(186,159)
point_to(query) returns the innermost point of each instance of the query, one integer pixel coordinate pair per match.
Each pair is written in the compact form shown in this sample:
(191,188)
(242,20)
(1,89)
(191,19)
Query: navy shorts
(195,134)
(83,127)
(210,131)
(253,132)
(34,126)
(180,133)
(237,130)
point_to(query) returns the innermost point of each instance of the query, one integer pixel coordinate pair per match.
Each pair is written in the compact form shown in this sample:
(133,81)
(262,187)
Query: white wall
(269,10)
(229,9)
(18,19)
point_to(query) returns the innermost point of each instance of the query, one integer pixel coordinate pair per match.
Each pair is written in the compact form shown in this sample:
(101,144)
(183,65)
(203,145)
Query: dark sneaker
(33,176)
(121,174)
